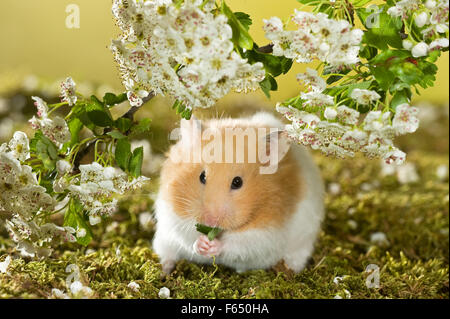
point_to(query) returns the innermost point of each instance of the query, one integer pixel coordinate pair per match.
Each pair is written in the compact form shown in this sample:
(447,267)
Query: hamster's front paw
(203,246)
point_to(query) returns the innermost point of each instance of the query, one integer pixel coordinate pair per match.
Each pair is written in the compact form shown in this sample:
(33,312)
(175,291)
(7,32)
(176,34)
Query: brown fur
(263,200)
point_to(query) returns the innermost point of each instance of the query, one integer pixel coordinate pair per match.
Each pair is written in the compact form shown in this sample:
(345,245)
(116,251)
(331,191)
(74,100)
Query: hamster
(265,217)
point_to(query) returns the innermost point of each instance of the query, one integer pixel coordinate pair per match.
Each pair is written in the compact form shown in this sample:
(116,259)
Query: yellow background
(34,38)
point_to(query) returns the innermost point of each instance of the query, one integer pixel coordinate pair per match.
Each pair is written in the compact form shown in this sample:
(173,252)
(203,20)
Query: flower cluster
(55,128)
(317,36)
(337,130)
(22,199)
(98,187)
(184,51)
(431,17)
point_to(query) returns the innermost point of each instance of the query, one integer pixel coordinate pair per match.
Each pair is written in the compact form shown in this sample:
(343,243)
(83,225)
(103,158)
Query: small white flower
(330,113)
(439,44)
(405,119)
(419,50)
(352,224)
(58,294)
(42,108)
(348,115)
(317,99)
(94,220)
(442,172)
(430,4)
(5,264)
(364,97)
(134,286)
(63,167)
(164,293)
(379,238)
(312,78)
(407,173)
(146,220)
(19,146)
(68,91)
(78,290)
(81,232)
(421,19)
(334,188)
(407,45)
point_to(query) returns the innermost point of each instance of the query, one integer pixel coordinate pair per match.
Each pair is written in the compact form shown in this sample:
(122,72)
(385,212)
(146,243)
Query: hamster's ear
(276,145)
(190,131)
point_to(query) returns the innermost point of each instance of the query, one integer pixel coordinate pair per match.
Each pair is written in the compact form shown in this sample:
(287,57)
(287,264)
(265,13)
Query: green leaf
(382,29)
(123,153)
(275,65)
(123,124)
(400,97)
(111,99)
(142,127)
(241,37)
(434,55)
(116,134)
(75,126)
(74,217)
(211,232)
(268,84)
(45,150)
(362,85)
(98,113)
(244,19)
(181,109)
(136,162)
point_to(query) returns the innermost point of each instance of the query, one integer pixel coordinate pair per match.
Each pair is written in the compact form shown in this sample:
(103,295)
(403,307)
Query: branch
(266,49)
(128,115)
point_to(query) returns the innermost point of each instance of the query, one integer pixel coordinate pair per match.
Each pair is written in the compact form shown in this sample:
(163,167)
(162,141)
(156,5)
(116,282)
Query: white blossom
(420,49)
(317,36)
(164,293)
(68,91)
(134,286)
(312,78)
(185,52)
(364,97)
(19,146)
(330,113)
(407,173)
(407,45)
(421,19)
(5,264)
(405,119)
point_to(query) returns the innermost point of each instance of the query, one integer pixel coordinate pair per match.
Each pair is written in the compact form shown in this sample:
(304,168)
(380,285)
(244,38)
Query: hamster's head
(222,175)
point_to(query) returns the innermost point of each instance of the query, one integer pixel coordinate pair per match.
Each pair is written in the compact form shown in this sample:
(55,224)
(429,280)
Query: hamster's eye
(203,177)
(236,183)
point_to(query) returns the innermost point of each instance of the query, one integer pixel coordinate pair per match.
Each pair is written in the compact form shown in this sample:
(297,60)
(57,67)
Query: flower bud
(330,113)
(420,49)
(94,220)
(407,45)
(430,4)
(63,167)
(421,19)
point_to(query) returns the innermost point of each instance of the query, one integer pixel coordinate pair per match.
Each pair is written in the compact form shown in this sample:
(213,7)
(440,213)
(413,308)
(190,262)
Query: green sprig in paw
(211,232)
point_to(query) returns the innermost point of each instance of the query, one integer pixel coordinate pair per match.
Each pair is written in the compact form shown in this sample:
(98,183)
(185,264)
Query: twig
(266,49)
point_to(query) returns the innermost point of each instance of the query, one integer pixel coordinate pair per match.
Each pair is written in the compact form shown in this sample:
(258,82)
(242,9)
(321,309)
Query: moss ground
(413,263)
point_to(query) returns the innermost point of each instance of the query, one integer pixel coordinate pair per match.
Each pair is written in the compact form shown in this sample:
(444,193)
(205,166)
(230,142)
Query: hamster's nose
(211,220)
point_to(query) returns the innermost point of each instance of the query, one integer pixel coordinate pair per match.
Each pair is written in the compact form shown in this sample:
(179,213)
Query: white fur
(256,248)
